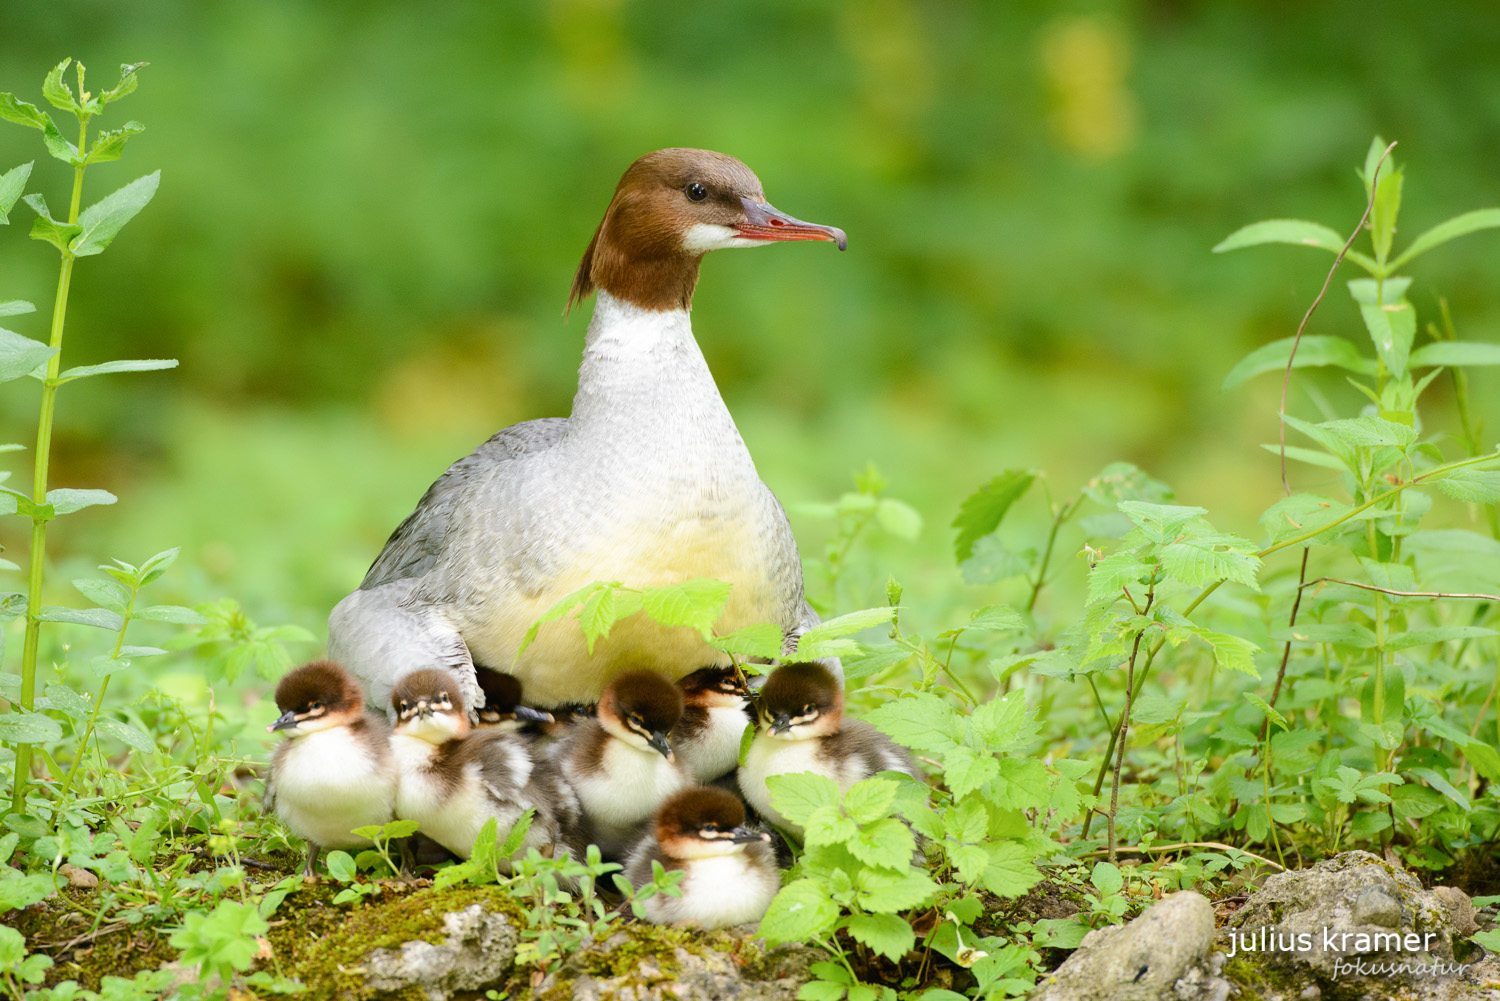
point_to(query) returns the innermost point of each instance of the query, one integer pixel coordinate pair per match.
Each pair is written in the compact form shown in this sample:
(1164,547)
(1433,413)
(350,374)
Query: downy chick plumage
(453,778)
(621,763)
(730,869)
(335,770)
(802,728)
(714,717)
(503,708)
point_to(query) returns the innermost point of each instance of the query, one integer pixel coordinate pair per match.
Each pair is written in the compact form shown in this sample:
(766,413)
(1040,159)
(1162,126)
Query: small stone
(1141,960)
(81,878)
(1374,906)
(1311,993)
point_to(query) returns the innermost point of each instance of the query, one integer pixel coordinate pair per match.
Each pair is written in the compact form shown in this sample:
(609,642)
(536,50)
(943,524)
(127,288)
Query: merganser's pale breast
(647,483)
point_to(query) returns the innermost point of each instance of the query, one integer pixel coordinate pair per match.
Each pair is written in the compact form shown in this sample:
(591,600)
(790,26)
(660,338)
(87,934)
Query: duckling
(731,872)
(335,770)
(502,707)
(803,729)
(714,717)
(454,778)
(621,762)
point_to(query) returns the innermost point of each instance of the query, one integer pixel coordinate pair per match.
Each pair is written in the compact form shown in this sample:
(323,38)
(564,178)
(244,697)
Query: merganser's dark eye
(696,192)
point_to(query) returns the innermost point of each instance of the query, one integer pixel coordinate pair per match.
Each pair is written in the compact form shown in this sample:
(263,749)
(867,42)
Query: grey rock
(1374,906)
(477,951)
(1158,955)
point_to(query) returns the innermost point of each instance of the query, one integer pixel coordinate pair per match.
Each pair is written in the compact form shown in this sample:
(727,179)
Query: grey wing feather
(417,543)
(379,637)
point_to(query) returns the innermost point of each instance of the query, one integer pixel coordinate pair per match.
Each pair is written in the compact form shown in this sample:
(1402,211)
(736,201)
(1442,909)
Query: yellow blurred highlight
(462,386)
(1085,59)
(598,65)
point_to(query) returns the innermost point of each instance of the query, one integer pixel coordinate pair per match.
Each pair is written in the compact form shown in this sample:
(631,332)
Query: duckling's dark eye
(696,192)
(809,709)
(404,706)
(314,706)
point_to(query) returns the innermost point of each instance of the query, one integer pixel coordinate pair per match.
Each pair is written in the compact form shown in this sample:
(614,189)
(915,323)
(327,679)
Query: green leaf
(885,844)
(1233,653)
(177,614)
(21,355)
(1298,514)
(1455,354)
(58,93)
(843,625)
(1161,523)
(12,109)
(99,617)
(1106,879)
(923,722)
(1297,232)
(1266,710)
(1469,222)
(898,518)
(1370,431)
(108,594)
(990,618)
(341,866)
(798,794)
(111,367)
(125,734)
(101,221)
(1308,456)
(12,184)
(696,603)
(53,231)
(983,510)
(965,770)
(1115,571)
(802,910)
(1476,486)
(66,501)
(1011,871)
(1438,634)
(885,892)
(563,606)
(1003,724)
(128,82)
(870,799)
(1392,327)
(110,144)
(22,727)
(1314,351)
(1387,208)
(1198,560)
(827,826)
(598,616)
(1058,933)
(820,990)
(1485,759)
(886,934)
(67,701)
(763,639)
(15,307)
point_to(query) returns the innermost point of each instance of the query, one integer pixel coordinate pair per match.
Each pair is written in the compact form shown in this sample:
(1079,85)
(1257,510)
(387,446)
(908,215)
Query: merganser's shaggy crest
(648,482)
(621,763)
(335,771)
(730,870)
(454,779)
(803,729)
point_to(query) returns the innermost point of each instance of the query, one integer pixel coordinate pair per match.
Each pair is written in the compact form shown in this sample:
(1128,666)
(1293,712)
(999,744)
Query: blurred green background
(370,213)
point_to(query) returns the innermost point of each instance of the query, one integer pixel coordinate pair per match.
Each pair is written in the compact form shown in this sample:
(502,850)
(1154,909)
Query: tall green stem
(39,490)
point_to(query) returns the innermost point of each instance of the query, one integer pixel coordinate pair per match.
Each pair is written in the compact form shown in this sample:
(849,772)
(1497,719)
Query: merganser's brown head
(317,696)
(641,708)
(800,702)
(672,207)
(502,707)
(702,822)
(430,706)
(714,687)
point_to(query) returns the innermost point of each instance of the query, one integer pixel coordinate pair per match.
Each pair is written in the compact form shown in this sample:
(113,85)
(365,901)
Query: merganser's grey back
(647,483)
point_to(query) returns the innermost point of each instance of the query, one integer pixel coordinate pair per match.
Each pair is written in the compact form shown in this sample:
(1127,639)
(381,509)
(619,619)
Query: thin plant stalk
(39,489)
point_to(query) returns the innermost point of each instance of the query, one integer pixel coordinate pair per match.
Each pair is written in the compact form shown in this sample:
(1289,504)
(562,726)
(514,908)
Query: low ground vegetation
(1148,701)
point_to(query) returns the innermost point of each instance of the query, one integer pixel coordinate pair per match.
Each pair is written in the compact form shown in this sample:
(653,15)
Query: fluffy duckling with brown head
(453,778)
(621,763)
(335,771)
(802,728)
(730,869)
(503,708)
(714,717)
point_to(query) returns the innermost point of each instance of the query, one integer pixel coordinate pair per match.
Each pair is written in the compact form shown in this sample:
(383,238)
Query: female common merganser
(334,772)
(648,482)
(714,717)
(803,729)
(453,779)
(730,870)
(621,762)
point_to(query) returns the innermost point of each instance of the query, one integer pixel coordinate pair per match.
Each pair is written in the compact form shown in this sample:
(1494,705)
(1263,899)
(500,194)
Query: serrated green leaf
(1116,571)
(802,910)
(125,734)
(696,603)
(886,844)
(98,617)
(1485,759)
(982,511)
(816,641)
(102,221)
(111,367)
(1203,559)
(58,147)
(1469,222)
(1298,514)
(798,794)
(1370,431)
(12,185)
(922,722)
(110,144)
(1266,710)
(870,799)
(177,614)
(886,934)
(1314,351)
(19,355)
(1003,724)
(991,618)
(13,109)
(1011,871)
(966,770)
(66,501)
(1439,634)
(562,607)
(129,80)
(827,826)
(597,618)
(763,639)
(882,891)
(1160,523)
(57,92)
(21,727)
(1476,486)
(46,228)
(1232,653)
